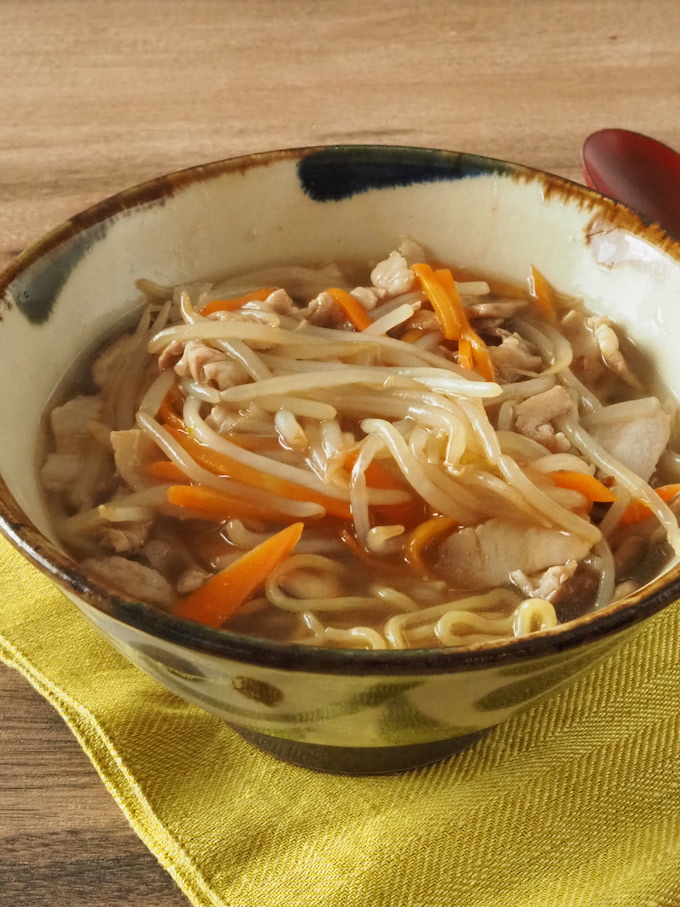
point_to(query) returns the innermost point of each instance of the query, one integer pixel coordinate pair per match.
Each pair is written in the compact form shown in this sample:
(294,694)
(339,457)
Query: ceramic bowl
(339,711)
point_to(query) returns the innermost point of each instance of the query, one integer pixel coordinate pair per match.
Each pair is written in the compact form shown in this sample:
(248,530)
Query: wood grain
(97,95)
(63,839)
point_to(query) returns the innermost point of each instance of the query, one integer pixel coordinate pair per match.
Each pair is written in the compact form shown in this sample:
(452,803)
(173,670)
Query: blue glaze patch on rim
(35,290)
(342,171)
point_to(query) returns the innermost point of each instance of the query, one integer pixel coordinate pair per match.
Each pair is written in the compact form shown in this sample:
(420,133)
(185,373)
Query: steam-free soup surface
(429,459)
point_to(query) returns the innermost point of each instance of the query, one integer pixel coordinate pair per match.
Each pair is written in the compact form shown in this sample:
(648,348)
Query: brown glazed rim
(64,572)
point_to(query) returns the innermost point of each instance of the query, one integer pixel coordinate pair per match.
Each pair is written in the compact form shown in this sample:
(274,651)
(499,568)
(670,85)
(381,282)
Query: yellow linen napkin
(575,803)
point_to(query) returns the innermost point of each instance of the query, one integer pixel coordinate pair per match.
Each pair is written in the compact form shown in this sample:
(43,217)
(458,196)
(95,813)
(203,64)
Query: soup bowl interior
(352,711)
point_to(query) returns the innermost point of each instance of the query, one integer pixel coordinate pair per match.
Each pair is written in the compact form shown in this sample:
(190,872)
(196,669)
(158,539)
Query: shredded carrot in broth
(637,510)
(219,505)
(479,352)
(465,354)
(480,356)
(256,443)
(440,288)
(376,475)
(445,278)
(223,594)
(543,296)
(231,305)
(169,416)
(412,335)
(351,308)
(587,485)
(451,315)
(421,537)
(360,552)
(496,285)
(223,465)
(165,471)
(379,477)
(396,564)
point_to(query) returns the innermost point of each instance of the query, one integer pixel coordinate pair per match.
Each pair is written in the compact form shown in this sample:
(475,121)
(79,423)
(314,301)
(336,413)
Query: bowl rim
(188,635)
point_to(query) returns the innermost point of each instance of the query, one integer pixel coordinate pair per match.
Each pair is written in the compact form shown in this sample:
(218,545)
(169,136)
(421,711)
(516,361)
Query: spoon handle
(637,170)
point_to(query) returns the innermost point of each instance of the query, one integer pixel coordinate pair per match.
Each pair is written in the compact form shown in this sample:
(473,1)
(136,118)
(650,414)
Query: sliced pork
(514,357)
(208,366)
(393,275)
(124,538)
(634,438)
(533,417)
(71,420)
(132,451)
(546,585)
(487,555)
(132,579)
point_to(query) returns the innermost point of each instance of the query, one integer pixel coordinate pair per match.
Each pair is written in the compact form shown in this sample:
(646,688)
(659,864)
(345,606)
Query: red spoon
(636,170)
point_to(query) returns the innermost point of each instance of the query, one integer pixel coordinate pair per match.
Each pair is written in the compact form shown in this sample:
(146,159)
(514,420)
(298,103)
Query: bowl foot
(358,760)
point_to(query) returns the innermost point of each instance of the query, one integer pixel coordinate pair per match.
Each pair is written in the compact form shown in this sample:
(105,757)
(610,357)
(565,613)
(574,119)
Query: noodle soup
(430,459)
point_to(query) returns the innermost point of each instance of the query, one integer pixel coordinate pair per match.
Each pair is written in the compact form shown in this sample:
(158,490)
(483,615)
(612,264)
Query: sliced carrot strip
(405,515)
(543,295)
(223,594)
(254,442)
(379,477)
(371,560)
(219,505)
(171,406)
(465,359)
(440,288)
(447,307)
(421,537)
(480,355)
(230,305)
(668,492)
(223,465)
(172,403)
(166,472)
(496,286)
(351,307)
(412,335)
(376,475)
(445,277)
(169,416)
(637,510)
(586,484)
(169,413)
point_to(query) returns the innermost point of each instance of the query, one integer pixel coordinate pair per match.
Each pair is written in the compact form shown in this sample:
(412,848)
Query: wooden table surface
(96,95)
